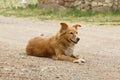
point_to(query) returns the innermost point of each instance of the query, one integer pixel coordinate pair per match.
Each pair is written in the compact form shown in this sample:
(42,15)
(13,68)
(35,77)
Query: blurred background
(69,10)
(15,3)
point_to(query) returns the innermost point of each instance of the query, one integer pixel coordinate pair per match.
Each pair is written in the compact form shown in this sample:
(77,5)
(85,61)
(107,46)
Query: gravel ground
(99,45)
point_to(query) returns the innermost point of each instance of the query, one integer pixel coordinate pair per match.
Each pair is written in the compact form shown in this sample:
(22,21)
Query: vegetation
(32,11)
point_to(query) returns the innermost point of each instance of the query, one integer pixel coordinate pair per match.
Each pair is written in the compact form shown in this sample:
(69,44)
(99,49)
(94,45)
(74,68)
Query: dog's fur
(59,47)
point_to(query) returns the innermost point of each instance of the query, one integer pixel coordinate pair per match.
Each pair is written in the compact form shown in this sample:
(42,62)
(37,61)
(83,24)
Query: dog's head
(69,33)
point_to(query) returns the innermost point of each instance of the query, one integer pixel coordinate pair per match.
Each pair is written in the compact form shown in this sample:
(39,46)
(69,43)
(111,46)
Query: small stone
(41,34)
(24,70)
(7,69)
(23,57)
(57,77)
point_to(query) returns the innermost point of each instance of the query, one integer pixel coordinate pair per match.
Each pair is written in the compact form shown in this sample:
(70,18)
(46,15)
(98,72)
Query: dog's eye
(71,32)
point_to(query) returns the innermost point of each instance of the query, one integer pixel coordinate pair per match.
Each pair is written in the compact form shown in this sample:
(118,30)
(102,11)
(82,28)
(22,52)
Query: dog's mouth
(75,41)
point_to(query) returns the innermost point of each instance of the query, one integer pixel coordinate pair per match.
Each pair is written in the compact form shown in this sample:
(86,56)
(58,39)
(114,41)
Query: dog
(57,47)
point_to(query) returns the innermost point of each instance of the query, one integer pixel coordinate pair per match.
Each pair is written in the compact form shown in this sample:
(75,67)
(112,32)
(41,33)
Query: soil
(99,46)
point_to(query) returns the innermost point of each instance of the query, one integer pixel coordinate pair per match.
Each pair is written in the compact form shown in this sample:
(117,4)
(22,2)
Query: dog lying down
(58,47)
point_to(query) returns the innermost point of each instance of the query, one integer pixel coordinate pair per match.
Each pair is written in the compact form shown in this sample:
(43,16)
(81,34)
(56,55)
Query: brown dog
(59,47)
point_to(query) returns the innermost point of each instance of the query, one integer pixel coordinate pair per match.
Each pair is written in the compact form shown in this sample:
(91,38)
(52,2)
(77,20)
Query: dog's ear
(76,26)
(64,26)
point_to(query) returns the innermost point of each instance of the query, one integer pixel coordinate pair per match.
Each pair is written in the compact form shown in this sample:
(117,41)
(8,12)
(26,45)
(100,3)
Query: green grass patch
(32,11)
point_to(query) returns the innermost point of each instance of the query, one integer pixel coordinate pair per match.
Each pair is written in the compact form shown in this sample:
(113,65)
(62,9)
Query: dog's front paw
(79,61)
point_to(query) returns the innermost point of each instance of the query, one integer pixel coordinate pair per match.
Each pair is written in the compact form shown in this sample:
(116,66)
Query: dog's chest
(69,51)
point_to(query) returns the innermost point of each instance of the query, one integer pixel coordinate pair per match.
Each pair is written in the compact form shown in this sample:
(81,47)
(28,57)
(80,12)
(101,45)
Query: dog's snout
(78,39)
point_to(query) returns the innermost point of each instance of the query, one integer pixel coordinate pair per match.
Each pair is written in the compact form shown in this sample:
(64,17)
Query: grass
(32,11)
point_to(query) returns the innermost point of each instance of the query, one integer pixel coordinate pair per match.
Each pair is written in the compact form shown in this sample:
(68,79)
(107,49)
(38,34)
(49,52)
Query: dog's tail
(28,50)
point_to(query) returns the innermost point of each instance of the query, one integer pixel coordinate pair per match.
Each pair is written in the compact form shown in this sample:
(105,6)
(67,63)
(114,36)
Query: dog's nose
(78,39)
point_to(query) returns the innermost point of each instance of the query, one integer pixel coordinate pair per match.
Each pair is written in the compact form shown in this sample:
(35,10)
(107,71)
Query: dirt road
(99,45)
